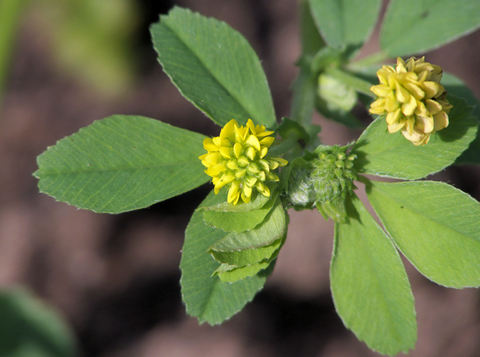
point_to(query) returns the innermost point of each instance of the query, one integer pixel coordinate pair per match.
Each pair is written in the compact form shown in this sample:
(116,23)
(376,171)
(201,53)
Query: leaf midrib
(45,172)
(209,71)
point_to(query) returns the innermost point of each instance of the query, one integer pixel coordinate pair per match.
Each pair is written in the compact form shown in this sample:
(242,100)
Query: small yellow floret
(412,98)
(238,157)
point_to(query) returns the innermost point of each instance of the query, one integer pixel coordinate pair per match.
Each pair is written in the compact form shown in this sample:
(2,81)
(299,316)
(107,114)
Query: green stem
(351,80)
(370,60)
(10,14)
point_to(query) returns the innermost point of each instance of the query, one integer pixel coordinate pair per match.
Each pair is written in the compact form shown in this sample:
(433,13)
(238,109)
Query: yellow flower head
(238,157)
(412,98)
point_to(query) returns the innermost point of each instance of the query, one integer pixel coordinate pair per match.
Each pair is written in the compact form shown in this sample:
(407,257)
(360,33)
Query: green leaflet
(273,228)
(230,274)
(122,163)
(309,36)
(304,94)
(239,258)
(391,155)
(206,297)
(369,285)
(238,221)
(436,226)
(345,23)
(214,67)
(413,26)
(28,328)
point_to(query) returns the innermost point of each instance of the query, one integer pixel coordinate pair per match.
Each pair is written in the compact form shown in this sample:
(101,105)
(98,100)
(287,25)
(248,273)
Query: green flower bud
(323,179)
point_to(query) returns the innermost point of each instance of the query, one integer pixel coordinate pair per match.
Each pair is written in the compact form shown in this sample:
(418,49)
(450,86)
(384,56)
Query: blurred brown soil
(115,278)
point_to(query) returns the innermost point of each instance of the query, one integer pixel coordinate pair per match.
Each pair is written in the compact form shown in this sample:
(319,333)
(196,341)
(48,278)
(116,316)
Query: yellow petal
(381,90)
(232,165)
(415,137)
(425,124)
(273,164)
(217,141)
(391,103)
(251,126)
(224,180)
(237,149)
(215,170)
(247,191)
(264,165)
(228,131)
(267,141)
(433,106)
(233,193)
(440,120)
(263,189)
(410,125)
(415,90)
(253,168)
(250,181)
(226,152)
(212,159)
(273,177)
(384,73)
(262,176)
(245,198)
(240,133)
(402,94)
(252,140)
(400,68)
(243,161)
(263,152)
(393,117)
(394,127)
(421,109)
(240,173)
(409,108)
(263,132)
(209,145)
(433,89)
(250,153)
(281,161)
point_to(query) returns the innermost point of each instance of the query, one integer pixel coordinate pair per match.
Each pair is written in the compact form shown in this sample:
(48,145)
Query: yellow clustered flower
(412,98)
(239,157)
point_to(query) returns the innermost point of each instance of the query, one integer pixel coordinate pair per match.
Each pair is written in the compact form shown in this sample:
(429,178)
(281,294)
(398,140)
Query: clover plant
(424,120)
